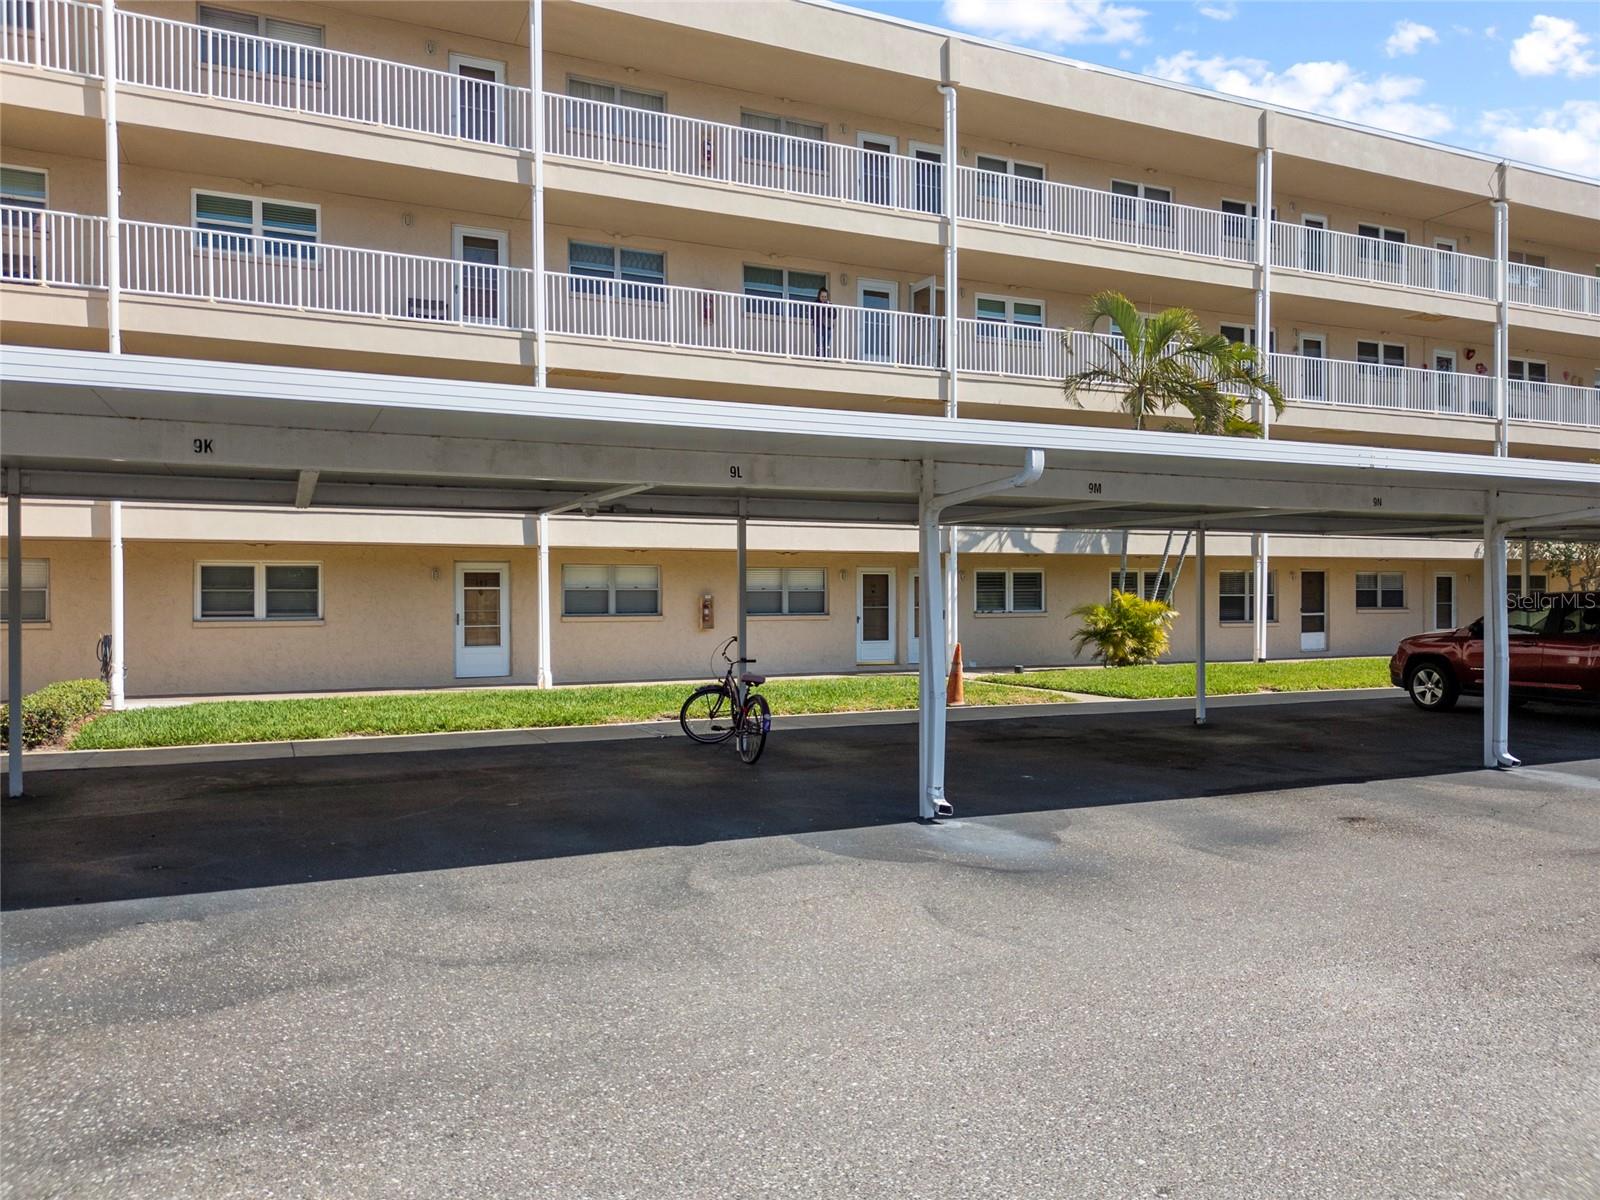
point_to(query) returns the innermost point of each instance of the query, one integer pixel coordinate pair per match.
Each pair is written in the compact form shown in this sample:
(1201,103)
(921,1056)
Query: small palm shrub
(1124,630)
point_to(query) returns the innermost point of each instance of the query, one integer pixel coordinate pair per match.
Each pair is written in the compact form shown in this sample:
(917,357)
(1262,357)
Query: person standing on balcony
(823,316)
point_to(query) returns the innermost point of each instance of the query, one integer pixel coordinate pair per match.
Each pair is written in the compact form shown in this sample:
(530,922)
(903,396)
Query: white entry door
(880,298)
(477,107)
(914,619)
(1313,611)
(877,181)
(480,286)
(483,631)
(875,615)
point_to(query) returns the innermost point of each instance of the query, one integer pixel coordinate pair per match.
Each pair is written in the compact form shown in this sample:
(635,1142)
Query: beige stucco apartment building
(350,186)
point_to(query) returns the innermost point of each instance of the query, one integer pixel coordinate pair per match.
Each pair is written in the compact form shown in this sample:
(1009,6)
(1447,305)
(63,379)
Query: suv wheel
(1432,687)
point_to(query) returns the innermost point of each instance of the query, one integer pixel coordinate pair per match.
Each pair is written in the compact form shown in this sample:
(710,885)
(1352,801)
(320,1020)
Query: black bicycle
(729,709)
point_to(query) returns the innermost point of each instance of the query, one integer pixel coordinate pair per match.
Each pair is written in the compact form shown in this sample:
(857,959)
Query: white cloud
(1407,38)
(1567,138)
(1048,23)
(1553,46)
(1218,10)
(1335,89)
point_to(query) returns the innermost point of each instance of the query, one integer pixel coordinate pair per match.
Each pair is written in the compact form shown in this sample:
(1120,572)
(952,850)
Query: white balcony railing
(1555,403)
(198,264)
(1028,351)
(177,56)
(55,35)
(58,249)
(734,323)
(1565,291)
(1065,210)
(657,141)
(1369,385)
(1347,256)
(39,246)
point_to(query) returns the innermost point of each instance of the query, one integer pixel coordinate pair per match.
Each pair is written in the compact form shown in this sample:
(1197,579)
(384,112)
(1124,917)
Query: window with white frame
(35,606)
(786,591)
(1538,584)
(1524,269)
(1151,585)
(1144,203)
(258,591)
(610,591)
(777,284)
(1386,354)
(228,220)
(614,93)
(24,187)
(1527,370)
(1007,179)
(1245,335)
(231,40)
(640,273)
(1006,316)
(1380,589)
(1008,591)
(782,144)
(1236,597)
(759,122)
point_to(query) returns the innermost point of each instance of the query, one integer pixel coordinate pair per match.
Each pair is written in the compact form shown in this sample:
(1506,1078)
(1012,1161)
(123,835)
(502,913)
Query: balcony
(58,250)
(186,59)
(1060,209)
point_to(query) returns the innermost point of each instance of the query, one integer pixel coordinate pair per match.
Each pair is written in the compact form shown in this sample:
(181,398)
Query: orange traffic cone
(955,691)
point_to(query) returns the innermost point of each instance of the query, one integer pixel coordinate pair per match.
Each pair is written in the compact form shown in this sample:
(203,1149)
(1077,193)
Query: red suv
(1555,655)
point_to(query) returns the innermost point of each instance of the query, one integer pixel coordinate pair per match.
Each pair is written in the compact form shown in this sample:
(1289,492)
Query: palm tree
(1168,361)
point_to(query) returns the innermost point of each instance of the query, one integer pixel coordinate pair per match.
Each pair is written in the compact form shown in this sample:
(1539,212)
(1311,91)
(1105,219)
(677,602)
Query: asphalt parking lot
(1307,952)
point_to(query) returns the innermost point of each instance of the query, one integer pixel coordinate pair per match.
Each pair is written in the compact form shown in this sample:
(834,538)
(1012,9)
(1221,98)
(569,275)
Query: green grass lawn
(213,722)
(1222,679)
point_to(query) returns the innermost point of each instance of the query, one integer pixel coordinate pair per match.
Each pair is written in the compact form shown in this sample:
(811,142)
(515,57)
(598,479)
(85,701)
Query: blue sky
(1515,79)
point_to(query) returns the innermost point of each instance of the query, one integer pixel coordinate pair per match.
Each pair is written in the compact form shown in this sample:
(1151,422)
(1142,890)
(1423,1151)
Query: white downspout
(117,683)
(1200,626)
(14,631)
(110,69)
(544,678)
(1502,328)
(952,291)
(536,77)
(931,802)
(1261,541)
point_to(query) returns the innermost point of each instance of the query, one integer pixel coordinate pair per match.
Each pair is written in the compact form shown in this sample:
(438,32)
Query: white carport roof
(86,424)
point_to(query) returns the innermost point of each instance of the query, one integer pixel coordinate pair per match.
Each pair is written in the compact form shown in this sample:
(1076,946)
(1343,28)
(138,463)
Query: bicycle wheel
(708,715)
(753,729)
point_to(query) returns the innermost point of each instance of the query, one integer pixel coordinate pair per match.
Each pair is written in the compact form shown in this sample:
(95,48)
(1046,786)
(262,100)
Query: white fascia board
(774,429)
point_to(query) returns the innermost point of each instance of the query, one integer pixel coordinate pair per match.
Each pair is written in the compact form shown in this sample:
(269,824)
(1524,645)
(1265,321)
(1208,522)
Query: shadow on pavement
(114,834)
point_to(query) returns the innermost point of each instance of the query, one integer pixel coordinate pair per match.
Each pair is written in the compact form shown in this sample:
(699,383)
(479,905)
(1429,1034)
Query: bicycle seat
(751,679)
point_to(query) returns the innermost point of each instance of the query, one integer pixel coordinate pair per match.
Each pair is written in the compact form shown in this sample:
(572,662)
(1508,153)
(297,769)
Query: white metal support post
(931,802)
(1496,645)
(118,666)
(14,630)
(536,136)
(741,555)
(1200,626)
(587,505)
(117,683)
(1502,327)
(108,59)
(544,678)
(1523,589)
(1260,544)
